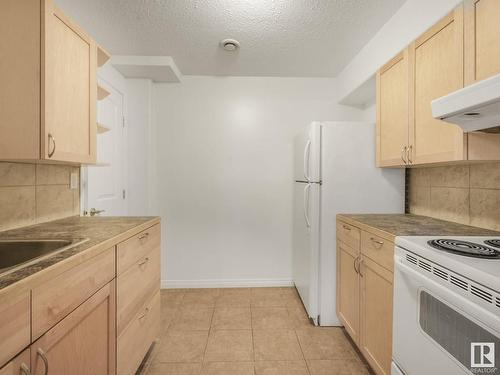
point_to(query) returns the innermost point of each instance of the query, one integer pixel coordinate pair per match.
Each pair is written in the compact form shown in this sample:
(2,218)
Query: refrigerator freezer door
(306,245)
(307,148)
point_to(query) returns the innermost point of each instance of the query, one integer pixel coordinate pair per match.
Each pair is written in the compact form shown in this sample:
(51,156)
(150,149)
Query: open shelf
(102,93)
(102,129)
(102,56)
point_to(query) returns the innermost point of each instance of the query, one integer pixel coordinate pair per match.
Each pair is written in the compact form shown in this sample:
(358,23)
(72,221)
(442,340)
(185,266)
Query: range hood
(475,107)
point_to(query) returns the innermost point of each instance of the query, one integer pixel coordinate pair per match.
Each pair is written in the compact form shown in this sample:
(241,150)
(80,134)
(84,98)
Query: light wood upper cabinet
(19,365)
(49,88)
(438,69)
(348,289)
(482,39)
(376,315)
(392,111)
(82,343)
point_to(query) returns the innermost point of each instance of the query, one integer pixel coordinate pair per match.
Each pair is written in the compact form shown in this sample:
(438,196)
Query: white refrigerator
(334,172)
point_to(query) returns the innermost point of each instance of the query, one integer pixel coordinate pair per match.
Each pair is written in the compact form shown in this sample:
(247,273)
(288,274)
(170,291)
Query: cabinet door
(482,39)
(392,111)
(69,86)
(18,366)
(83,342)
(348,289)
(376,315)
(438,70)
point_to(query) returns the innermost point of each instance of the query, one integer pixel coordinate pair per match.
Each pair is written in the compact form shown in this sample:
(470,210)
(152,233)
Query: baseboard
(227,283)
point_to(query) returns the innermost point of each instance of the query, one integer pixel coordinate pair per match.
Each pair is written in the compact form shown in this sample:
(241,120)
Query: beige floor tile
(203,298)
(192,319)
(267,297)
(171,299)
(233,300)
(235,291)
(232,318)
(182,346)
(228,368)
(271,318)
(168,315)
(281,368)
(337,367)
(299,317)
(276,345)
(325,343)
(211,291)
(174,369)
(229,346)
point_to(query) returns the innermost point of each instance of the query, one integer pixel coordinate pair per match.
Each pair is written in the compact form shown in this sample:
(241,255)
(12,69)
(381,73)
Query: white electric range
(446,306)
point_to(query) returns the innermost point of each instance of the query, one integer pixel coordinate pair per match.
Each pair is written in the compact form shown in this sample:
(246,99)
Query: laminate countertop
(391,225)
(98,233)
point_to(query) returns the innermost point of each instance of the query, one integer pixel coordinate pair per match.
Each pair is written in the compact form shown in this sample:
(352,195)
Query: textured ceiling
(304,38)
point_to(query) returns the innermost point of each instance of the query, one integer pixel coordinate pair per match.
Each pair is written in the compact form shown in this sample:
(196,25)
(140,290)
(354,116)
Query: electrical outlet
(73,184)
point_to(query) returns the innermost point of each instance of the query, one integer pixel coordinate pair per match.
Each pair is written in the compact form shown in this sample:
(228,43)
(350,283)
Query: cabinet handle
(144,262)
(42,355)
(51,138)
(410,154)
(143,236)
(376,241)
(24,369)
(346,227)
(145,313)
(403,153)
(355,262)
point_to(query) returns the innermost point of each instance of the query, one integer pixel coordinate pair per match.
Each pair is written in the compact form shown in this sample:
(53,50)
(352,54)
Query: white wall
(224,174)
(409,22)
(138,124)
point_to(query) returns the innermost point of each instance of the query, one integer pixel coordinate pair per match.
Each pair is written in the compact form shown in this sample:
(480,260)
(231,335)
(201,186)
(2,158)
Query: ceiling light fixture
(230,45)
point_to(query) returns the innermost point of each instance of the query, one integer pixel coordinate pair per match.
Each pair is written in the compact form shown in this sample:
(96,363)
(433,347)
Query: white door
(306,245)
(104,184)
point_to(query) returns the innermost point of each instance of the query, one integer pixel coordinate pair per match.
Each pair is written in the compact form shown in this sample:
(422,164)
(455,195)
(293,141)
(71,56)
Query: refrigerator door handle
(306,204)
(307,152)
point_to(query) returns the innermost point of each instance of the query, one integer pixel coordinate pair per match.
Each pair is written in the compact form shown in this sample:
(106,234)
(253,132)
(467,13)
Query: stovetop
(477,258)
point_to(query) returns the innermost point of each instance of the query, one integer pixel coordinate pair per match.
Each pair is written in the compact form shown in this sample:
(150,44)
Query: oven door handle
(456,300)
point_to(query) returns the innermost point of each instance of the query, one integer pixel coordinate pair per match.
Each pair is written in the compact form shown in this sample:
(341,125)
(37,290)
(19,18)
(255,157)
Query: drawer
(136,339)
(22,361)
(130,251)
(348,234)
(56,298)
(378,249)
(136,286)
(15,328)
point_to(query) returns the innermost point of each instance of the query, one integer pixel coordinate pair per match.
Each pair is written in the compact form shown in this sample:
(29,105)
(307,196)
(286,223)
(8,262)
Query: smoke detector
(230,45)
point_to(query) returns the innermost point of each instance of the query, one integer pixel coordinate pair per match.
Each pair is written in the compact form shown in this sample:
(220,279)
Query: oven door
(433,326)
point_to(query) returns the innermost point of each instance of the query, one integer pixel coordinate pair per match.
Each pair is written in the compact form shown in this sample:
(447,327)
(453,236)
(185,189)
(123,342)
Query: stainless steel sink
(15,253)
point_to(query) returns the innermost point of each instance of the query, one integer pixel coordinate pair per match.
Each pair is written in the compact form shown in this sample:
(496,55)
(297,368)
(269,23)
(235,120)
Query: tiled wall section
(32,194)
(463,194)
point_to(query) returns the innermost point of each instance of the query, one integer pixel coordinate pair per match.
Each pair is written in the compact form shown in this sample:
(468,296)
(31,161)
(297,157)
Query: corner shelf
(102,56)
(102,129)
(102,93)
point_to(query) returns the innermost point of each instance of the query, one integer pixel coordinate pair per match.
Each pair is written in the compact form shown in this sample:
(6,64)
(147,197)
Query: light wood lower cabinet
(376,315)
(348,289)
(14,336)
(19,365)
(364,296)
(83,342)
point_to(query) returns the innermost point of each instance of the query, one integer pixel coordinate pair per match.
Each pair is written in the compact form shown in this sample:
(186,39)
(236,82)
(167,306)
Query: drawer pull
(144,262)
(143,236)
(24,369)
(356,263)
(144,314)
(346,227)
(42,355)
(376,241)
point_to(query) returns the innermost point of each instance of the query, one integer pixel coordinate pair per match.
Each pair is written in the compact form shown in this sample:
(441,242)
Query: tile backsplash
(467,194)
(34,193)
